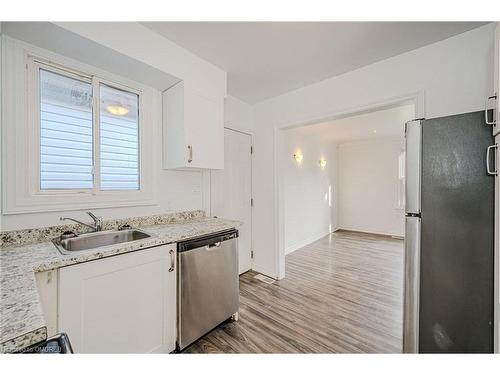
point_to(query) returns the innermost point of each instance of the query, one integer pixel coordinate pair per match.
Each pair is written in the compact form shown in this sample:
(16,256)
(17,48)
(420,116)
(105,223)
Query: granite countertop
(21,318)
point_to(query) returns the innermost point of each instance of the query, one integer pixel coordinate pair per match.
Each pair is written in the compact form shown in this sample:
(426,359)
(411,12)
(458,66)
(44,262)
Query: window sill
(69,202)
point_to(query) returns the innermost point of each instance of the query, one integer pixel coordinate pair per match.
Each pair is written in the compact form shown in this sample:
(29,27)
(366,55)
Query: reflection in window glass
(119,139)
(66,145)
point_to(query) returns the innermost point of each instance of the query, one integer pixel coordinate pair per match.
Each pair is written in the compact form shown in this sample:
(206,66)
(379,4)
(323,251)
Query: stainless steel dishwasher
(208,284)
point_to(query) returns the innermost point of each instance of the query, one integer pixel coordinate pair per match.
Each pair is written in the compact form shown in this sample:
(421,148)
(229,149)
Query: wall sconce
(298,157)
(322,163)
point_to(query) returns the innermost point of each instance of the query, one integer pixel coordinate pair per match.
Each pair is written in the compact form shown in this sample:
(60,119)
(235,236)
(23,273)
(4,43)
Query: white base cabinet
(121,304)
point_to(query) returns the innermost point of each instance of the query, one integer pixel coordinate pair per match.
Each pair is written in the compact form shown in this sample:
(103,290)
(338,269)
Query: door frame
(418,99)
(207,178)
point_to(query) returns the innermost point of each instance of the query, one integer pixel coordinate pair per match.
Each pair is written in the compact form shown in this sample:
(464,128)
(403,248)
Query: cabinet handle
(172,261)
(493,120)
(488,170)
(190,150)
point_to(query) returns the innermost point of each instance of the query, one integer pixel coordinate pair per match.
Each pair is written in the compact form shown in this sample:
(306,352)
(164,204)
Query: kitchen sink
(98,239)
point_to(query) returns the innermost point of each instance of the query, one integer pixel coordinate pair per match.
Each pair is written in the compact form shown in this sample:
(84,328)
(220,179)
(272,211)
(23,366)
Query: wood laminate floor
(341,294)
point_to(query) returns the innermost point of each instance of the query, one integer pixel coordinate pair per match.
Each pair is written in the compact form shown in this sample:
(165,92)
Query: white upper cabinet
(193,129)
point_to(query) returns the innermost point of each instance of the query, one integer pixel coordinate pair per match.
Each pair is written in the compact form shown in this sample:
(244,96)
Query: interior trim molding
(385,234)
(297,245)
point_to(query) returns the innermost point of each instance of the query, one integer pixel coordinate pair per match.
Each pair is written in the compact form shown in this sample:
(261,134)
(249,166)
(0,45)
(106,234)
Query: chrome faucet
(97,221)
(97,227)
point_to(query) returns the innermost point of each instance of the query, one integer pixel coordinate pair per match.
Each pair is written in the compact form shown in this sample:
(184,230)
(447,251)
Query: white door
(231,190)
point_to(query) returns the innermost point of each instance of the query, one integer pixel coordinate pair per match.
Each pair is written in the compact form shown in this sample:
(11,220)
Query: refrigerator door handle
(413,162)
(488,169)
(486,109)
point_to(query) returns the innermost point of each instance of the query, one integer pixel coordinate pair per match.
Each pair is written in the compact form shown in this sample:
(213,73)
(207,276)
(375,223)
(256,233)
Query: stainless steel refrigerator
(449,240)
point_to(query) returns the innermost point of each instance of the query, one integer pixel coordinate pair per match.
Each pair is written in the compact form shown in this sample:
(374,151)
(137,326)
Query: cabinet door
(204,131)
(174,142)
(122,304)
(193,128)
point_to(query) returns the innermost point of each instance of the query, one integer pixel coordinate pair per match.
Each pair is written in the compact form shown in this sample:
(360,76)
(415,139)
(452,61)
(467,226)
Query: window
(75,136)
(80,150)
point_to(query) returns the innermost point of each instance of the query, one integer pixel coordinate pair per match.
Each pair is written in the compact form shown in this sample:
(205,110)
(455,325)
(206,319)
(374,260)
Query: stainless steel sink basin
(98,239)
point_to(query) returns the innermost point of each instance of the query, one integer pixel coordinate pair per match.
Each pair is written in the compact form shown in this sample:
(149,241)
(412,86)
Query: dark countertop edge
(10,346)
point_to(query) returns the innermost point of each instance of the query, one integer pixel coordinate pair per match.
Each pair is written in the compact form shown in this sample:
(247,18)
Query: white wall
(176,190)
(238,115)
(368,186)
(455,75)
(309,190)
(139,42)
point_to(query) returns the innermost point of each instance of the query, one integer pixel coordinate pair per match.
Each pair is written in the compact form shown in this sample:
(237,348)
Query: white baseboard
(297,245)
(360,230)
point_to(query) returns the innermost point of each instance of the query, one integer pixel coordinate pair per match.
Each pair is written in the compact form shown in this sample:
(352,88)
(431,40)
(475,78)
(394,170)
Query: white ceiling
(384,123)
(266,59)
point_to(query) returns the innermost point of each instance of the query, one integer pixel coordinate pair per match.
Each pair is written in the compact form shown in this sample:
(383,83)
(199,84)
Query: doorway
(344,174)
(231,190)
(341,195)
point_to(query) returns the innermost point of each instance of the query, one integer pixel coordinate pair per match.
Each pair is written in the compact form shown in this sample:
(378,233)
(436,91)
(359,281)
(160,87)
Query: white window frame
(97,138)
(21,134)
(34,66)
